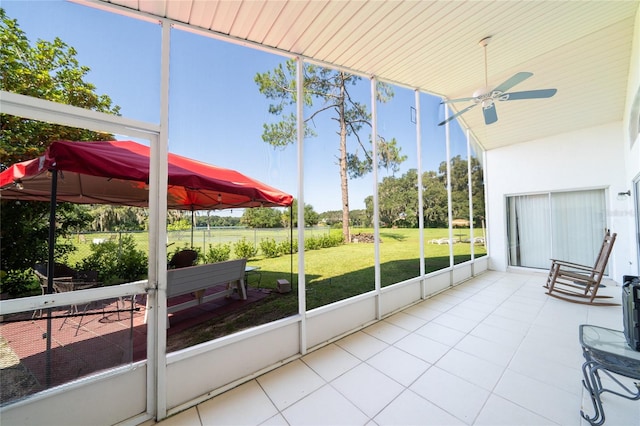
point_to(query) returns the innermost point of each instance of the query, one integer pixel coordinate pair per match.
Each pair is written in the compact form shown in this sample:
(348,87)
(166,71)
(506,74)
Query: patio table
(63,286)
(72,285)
(252,271)
(607,351)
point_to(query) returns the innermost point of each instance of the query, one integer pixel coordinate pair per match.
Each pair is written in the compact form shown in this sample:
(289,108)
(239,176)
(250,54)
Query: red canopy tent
(117,172)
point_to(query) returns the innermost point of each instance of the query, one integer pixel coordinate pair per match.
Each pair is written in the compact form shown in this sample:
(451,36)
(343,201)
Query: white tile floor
(493,351)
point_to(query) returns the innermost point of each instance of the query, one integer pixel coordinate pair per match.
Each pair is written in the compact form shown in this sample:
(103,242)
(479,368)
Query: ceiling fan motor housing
(487,96)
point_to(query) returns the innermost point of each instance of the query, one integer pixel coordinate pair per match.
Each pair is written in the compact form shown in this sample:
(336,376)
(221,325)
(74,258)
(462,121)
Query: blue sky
(216,110)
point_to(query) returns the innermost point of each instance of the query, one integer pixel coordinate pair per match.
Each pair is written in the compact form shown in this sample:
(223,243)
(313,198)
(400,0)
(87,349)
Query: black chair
(183,259)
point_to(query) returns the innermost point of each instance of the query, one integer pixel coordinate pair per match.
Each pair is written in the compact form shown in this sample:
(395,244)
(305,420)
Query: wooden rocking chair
(579,283)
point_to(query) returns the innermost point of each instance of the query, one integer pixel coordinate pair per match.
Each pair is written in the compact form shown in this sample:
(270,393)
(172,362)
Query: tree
(398,197)
(215,220)
(261,217)
(459,188)
(360,218)
(477,192)
(46,70)
(119,218)
(330,89)
(311,218)
(182,224)
(398,200)
(331,217)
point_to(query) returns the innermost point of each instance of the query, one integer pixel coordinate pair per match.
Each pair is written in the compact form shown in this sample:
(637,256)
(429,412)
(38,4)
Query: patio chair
(183,258)
(579,283)
(60,272)
(66,279)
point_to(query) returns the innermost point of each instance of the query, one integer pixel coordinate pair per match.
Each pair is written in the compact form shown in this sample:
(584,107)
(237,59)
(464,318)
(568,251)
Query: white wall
(597,157)
(633,155)
(589,158)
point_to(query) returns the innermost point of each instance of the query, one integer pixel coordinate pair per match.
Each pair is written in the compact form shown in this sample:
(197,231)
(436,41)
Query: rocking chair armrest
(571,265)
(576,276)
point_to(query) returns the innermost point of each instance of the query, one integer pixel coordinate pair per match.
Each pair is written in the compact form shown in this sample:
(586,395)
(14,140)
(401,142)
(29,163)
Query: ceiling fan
(487,97)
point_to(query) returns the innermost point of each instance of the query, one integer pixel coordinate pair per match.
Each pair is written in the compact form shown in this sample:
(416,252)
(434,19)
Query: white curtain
(565,225)
(529,231)
(579,225)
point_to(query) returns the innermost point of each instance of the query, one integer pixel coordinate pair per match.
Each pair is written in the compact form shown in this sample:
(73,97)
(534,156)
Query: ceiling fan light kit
(487,97)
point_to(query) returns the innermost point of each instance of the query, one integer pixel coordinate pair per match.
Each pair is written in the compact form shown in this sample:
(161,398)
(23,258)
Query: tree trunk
(344,179)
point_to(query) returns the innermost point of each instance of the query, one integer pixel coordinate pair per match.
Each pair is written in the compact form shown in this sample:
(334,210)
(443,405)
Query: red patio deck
(107,335)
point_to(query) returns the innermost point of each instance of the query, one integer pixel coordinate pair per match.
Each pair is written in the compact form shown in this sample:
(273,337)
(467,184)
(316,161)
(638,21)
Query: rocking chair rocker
(579,283)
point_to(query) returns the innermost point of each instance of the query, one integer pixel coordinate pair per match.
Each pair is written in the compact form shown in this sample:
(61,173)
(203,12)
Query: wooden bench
(197,279)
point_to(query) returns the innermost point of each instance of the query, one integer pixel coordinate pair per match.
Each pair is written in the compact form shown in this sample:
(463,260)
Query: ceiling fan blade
(515,79)
(528,94)
(490,114)
(448,101)
(457,114)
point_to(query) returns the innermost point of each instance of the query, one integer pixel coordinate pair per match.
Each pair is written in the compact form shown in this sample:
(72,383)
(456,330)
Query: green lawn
(331,274)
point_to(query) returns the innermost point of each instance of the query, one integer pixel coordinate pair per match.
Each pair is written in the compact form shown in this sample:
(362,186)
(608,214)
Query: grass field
(331,274)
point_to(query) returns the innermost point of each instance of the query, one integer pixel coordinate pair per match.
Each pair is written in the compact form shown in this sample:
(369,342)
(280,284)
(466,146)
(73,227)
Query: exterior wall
(632,158)
(589,158)
(601,157)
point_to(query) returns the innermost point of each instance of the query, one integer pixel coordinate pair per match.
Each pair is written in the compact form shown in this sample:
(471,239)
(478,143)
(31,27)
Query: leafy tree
(331,217)
(214,220)
(360,218)
(459,188)
(46,70)
(398,199)
(25,232)
(434,197)
(182,224)
(261,217)
(477,191)
(119,218)
(311,218)
(330,90)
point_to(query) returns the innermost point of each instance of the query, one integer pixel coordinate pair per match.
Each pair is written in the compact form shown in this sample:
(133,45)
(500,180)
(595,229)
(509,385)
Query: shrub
(19,283)
(287,248)
(244,249)
(312,243)
(116,261)
(325,241)
(337,239)
(270,248)
(218,253)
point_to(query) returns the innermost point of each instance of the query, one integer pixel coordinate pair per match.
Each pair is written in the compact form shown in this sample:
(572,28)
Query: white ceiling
(582,48)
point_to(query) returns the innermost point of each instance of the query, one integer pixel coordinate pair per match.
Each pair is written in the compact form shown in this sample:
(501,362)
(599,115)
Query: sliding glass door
(561,225)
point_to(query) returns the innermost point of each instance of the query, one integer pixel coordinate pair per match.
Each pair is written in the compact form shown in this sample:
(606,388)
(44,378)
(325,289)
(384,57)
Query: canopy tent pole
(291,243)
(192,225)
(51,267)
